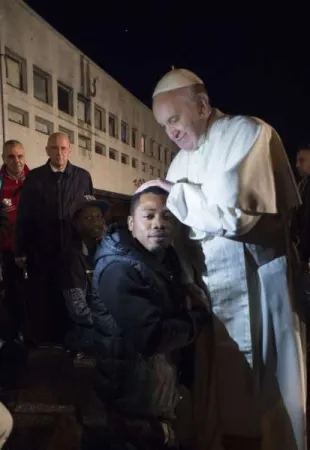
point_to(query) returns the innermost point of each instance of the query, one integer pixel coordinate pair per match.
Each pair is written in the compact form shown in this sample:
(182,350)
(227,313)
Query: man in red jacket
(12,176)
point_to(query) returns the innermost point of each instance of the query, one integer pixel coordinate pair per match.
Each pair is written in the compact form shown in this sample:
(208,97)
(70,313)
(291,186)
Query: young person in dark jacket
(76,272)
(48,200)
(140,323)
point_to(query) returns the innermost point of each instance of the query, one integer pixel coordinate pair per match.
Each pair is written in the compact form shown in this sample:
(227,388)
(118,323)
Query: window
(65,98)
(159,152)
(18,115)
(42,86)
(100,119)
(158,173)
(43,126)
(138,182)
(16,70)
(69,133)
(151,151)
(84,142)
(100,149)
(113,154)
(166,155)
(134,163)
(124,158)
(143,166)
(112,126)
(142,143)
(83,109)
(134,138)
(124,132)
(151,170)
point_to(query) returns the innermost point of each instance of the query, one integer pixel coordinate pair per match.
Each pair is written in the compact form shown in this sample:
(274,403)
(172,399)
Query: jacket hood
(119,241)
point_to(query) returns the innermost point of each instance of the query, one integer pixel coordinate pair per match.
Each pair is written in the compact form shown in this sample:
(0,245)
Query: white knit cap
(176,79)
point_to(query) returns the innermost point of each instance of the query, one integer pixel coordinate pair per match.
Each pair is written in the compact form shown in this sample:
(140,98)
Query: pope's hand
(164,184)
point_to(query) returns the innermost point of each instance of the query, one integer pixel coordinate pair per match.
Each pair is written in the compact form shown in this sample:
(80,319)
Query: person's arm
(89,190)
(4,221)
(190,206)
(79,312)
(190,203)
(136,310)
(73,283)
(25,215)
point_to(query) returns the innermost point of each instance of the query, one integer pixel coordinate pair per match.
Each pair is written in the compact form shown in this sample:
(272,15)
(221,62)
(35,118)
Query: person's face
(58,150)
(183,117)
(14,159)
(152,224)
(91,222)
(303,162)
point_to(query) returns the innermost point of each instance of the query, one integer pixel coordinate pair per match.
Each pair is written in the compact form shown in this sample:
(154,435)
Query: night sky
(253,60)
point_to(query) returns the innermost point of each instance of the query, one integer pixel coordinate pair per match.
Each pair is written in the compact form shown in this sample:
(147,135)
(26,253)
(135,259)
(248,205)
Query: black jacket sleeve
(71,270)
(73,283)
(25,214)
(89,185)
(136,310)
(4,222)
(304,225)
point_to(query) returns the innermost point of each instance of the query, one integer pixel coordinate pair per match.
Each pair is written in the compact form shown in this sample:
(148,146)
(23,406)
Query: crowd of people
(194,311)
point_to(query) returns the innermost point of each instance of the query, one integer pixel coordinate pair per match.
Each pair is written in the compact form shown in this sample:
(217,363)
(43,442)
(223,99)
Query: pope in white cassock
(232,185)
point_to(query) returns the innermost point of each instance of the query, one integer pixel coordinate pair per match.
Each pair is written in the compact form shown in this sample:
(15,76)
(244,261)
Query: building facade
(48,85)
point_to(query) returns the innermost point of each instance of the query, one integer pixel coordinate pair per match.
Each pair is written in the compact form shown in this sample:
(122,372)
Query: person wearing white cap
(232,185)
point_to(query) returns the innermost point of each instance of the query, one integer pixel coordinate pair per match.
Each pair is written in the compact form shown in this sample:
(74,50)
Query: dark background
(254,59)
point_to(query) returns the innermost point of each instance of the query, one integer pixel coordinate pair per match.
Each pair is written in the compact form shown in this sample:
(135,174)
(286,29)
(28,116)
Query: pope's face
(183,117)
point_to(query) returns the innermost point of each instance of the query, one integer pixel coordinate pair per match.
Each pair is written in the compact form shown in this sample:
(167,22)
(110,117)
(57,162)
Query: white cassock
(236,192)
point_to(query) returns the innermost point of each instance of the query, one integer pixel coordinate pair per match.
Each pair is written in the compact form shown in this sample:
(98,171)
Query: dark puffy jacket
(47,204)
(139,322)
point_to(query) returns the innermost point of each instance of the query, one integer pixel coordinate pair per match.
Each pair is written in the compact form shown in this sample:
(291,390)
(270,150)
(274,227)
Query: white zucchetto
(176,79)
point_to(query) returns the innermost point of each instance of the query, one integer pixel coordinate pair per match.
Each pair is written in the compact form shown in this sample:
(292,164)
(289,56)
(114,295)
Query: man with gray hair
(232,185)
(12,177)
(44,230)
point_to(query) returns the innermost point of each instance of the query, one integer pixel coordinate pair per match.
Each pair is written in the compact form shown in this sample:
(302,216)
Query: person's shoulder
(239,124)
(36,174)
(117,273)
(80,171)
(120,268)
(36,171)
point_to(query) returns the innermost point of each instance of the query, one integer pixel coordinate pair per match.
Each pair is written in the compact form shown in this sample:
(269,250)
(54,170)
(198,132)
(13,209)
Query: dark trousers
(122,433)
(47,317)
(113,439)
(13,294)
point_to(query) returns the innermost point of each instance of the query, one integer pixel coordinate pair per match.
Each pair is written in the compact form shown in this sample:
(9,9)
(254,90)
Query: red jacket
(10,189)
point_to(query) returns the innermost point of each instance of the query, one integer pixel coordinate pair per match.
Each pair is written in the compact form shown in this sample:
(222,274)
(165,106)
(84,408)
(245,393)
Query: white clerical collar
(55,169)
